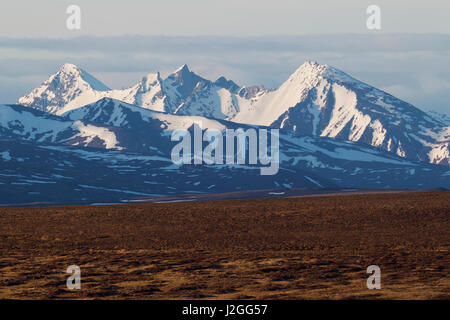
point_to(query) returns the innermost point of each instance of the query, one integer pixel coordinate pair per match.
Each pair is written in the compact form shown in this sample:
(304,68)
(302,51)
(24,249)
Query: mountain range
(316,100)
(73,139)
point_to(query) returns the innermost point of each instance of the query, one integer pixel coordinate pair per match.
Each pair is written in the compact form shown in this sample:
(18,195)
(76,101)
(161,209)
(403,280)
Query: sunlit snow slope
(316,100)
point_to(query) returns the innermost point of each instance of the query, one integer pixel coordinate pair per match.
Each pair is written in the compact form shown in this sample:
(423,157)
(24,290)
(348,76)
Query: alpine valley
(74,140)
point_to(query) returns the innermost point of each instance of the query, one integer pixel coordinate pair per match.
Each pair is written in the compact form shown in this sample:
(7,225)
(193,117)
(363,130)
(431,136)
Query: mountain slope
(316,100)
(31,173)
(18,122)
(111,151)
(323,101)
(147,93)
(69,88)
(342,162)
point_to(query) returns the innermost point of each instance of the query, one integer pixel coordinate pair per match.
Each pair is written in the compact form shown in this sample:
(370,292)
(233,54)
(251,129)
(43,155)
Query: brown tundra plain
(292,248)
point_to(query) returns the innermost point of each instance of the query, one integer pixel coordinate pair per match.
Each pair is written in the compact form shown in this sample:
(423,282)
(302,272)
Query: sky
(46,18)
(251,42)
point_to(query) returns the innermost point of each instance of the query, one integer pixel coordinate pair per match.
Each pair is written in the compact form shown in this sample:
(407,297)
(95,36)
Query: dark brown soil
(293,248)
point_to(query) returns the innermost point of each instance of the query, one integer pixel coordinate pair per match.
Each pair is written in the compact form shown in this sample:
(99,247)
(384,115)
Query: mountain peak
(69,84)
(184,68)
(185,80)
(105,100)
(150,79)
(307,75)
(69,68)
(181,73)
(70,72)
(227,84)
(310,64)
(312,71)
(310,68)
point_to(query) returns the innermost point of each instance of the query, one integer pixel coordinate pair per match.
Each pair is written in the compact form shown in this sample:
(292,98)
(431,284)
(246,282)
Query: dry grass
(297,248)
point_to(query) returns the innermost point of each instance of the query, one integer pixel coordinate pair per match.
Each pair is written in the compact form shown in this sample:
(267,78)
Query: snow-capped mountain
(316,100)
(105,124)
(18,122)
(70,88)
(111,151)
(164,95)
(295,149)
(323,101)
(112,112)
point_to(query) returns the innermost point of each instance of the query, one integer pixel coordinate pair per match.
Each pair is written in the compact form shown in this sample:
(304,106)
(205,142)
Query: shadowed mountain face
(316,100)
(75,140)
(111,151)
(186,81)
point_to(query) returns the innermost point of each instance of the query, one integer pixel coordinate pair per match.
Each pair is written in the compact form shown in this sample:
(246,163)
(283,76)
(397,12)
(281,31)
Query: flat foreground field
(292,248)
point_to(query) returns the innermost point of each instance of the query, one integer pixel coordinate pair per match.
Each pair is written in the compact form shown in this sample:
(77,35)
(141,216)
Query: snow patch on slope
(5,155)
(344,111)
(90,132)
